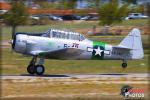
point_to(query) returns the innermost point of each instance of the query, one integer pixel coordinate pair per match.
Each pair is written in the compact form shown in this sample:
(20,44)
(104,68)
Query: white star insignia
(98,51)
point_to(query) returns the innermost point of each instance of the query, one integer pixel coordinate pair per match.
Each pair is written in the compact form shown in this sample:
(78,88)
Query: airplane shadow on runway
(114,74)
(71,75)
(47,75)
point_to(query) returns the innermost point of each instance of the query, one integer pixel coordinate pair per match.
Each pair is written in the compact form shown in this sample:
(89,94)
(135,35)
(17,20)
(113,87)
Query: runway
(132,78)
(103,75)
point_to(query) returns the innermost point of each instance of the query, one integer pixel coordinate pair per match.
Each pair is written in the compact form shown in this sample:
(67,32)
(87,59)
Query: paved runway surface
(115,78)
(109,75)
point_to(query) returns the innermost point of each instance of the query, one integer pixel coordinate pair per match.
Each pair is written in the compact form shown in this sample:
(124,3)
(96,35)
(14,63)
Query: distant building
(4,6)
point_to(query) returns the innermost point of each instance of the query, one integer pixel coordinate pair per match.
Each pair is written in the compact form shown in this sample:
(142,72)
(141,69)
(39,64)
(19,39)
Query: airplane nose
(19,43)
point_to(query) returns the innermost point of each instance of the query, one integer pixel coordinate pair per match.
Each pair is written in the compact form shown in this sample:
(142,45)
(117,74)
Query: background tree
(94,4)
(69,4)
(45,4)
(97,4)
(136,9)
(17,15)
(112,12)
(130,1)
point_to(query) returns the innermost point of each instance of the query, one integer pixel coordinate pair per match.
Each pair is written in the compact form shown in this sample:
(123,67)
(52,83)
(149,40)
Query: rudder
(134,42)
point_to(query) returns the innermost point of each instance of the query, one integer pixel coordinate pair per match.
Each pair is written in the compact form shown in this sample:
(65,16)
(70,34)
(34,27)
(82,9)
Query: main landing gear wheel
(124,65)
(30,69)
(36,69)
(39,69)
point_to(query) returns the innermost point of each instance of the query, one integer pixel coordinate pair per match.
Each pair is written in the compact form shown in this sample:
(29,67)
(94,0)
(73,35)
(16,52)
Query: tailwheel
(39,69)
(124,65)
(30,69)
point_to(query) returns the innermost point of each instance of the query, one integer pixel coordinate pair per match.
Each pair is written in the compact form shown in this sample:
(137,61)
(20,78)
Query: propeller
(12,42)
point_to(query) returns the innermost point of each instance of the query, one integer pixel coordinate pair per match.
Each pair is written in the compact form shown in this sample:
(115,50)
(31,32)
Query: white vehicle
(3,11)
(136,16)
(52,17)
(34,17)
(89,18)
(59,44)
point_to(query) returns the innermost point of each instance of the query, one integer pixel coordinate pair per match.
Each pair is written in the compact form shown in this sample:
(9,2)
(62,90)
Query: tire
(39,69)
(124,65)
(31,69)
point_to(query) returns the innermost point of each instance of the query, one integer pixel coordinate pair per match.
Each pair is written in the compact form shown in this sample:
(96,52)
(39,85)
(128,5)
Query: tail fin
(133,41)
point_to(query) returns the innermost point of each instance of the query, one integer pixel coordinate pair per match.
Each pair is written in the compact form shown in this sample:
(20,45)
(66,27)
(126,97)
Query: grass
(84,26)
(134,22)
(60,89)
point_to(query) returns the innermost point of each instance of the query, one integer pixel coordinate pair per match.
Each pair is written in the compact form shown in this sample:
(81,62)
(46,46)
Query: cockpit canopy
(60,34)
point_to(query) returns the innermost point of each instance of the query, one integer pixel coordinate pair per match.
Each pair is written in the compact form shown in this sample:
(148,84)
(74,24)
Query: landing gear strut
(31,66)
(36,69)
(124,64)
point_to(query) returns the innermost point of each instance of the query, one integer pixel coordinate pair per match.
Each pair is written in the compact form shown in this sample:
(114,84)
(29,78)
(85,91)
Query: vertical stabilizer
(134,42)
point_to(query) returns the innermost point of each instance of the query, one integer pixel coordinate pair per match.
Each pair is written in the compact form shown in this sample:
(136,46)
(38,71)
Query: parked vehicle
(136,16)
(71,17)
(34,17)
(68,17)
(3,11)
(55,17)
(76,17)
(88,17)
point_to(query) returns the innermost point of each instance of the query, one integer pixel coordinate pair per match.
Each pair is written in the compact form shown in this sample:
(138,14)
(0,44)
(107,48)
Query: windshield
(60,34)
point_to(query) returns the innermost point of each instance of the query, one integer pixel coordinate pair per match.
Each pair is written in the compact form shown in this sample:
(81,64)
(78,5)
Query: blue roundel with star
(98,52)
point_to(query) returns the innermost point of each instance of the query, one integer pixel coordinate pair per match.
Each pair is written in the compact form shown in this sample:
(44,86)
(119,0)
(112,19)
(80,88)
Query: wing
(61,53)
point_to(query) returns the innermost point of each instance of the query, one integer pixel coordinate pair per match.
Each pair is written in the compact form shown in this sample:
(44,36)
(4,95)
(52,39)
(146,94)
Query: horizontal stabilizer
(122,47)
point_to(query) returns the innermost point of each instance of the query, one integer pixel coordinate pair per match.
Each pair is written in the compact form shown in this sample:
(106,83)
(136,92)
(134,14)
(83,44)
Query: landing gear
(124,64)
(39,69)
(30,69)
(36,69)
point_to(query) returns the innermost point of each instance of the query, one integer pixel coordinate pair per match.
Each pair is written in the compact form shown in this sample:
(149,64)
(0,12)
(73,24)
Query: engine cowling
(20,43)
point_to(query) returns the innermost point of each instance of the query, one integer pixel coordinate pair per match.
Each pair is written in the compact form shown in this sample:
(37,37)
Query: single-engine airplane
(60,44)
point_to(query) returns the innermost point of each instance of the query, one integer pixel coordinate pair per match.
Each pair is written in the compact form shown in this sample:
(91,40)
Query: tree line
(108,13)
